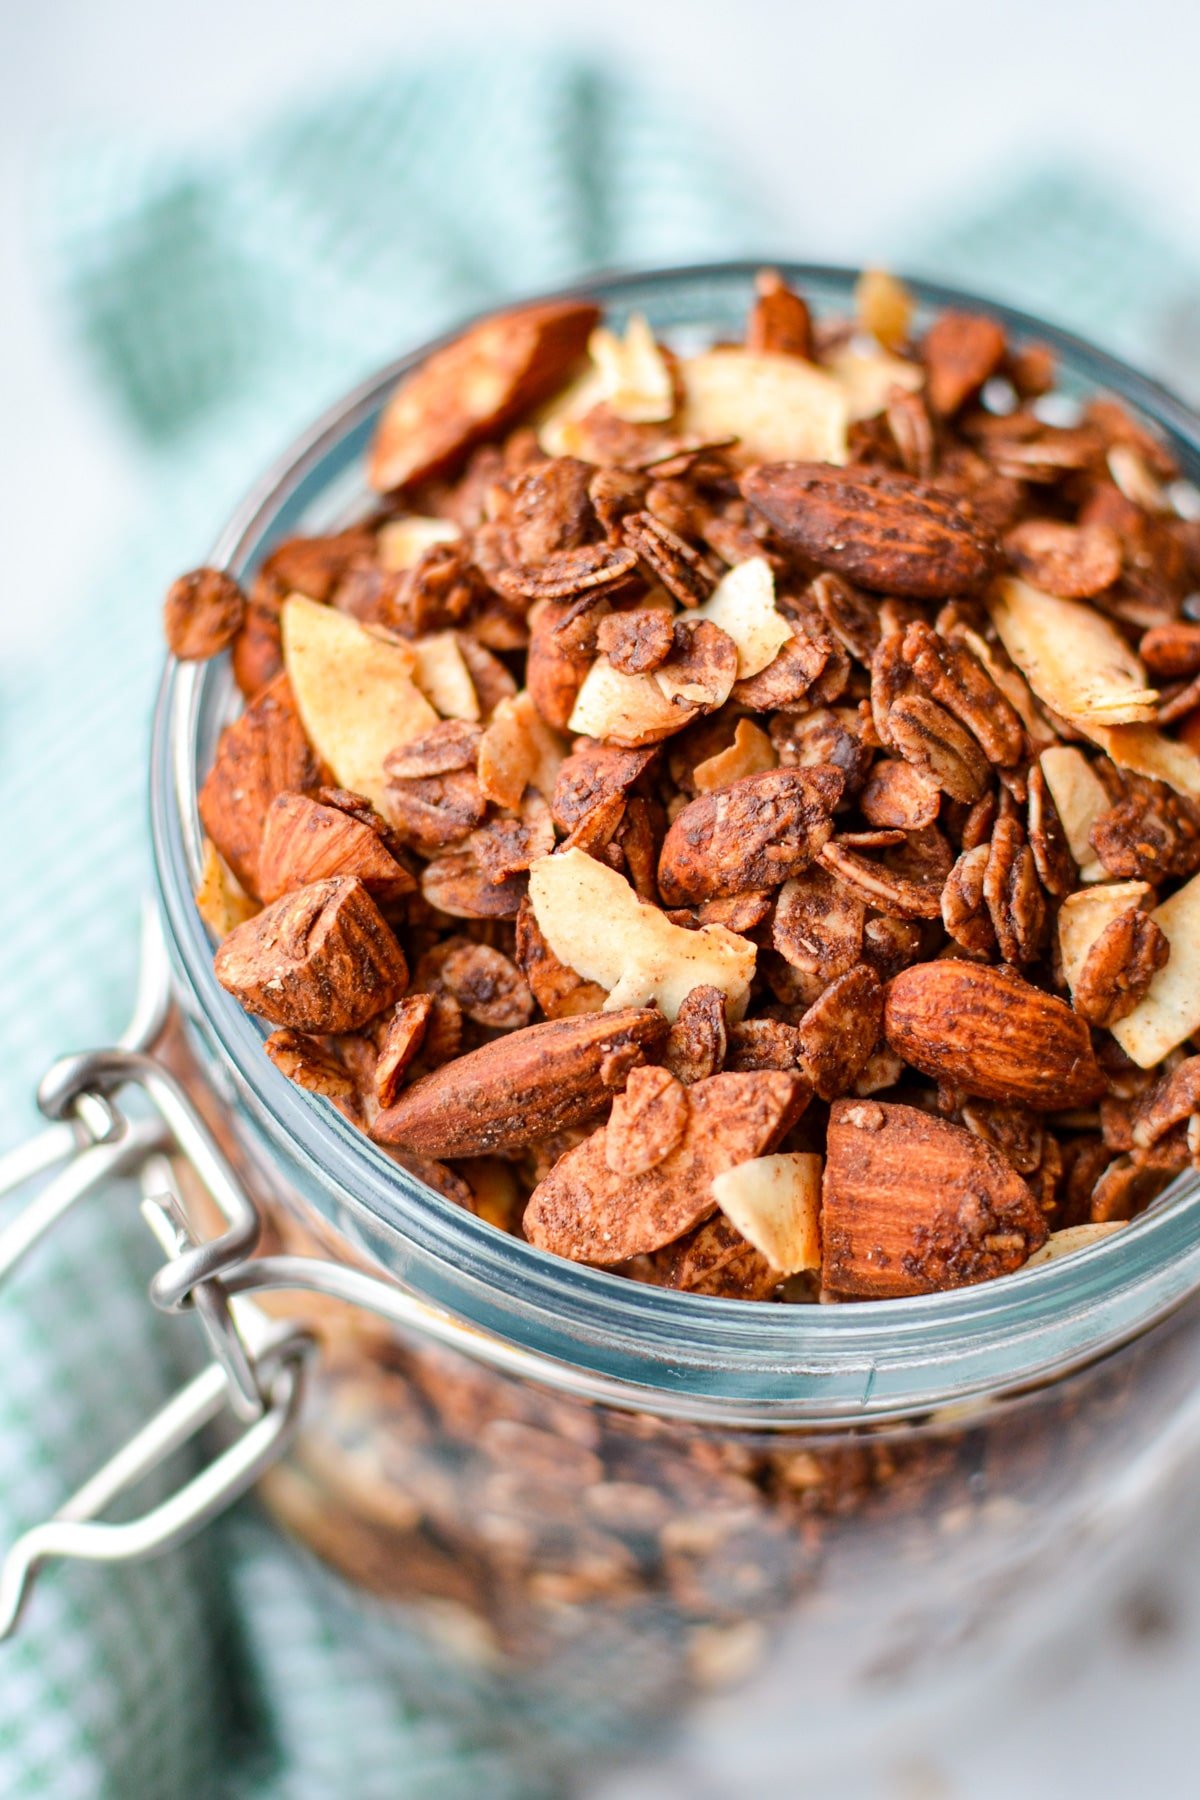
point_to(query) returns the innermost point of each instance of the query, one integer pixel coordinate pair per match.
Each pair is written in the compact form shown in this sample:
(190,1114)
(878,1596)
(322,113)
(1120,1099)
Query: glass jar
(588,1499)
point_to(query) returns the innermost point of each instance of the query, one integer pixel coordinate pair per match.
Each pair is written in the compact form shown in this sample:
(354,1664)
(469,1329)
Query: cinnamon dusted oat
(732,778)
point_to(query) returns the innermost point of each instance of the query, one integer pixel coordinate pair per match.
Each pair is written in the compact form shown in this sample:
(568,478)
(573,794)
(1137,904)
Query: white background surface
(862,120)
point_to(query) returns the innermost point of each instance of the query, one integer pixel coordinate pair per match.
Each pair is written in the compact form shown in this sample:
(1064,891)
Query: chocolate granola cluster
(733,818)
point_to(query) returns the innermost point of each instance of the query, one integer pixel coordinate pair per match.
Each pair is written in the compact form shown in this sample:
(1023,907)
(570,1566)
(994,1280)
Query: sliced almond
(1170,1011)
(743,606)
(775,1202)
(1074,658)
(594,922)
(518,749)
(221,900)
(634,376)
(1080,797)
(750,753)
(1083,916)
(1144,751)
(869,379)
(442,675)
(777,407)
(401,543)
(1071,1239)
(355,693)
(629,710)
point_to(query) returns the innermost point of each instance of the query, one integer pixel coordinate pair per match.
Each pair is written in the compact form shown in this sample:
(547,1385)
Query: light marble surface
(864,122)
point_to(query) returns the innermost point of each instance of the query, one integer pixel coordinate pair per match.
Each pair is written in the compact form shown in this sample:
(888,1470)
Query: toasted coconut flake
(355,693)
(885,307)
(443,677)
(749,754)
(1144,751)
(777,407)
(221,900)
(403,542)
(1074,658)
(743,606)
(871,378)
(518,749)
(594,922)
(1080,797)
(1073,1238)
(634,376)
(775,1202)
(1083,916)
(1170,1011)
(629,710)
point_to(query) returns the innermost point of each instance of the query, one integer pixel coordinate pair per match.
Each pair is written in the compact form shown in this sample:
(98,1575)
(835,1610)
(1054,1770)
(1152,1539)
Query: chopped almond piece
(913,1204)
(304,841)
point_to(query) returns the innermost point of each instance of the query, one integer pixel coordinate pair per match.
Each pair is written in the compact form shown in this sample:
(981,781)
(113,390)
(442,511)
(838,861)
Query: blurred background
(214,218)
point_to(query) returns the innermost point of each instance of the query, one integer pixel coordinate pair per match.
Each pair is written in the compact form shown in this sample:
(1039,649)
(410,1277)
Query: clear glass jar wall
(672,1481)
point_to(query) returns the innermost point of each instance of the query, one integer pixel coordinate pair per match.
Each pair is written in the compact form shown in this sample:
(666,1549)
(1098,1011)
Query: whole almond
(475,385)
(321,959)
(890,533)
(912,1204)
(519,1088)
(991,1032)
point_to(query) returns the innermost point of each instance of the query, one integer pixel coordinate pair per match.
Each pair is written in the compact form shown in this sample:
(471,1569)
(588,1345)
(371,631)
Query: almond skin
(304,841)
(912,1204)
(992,1033)
(319,960)
(890,533)
(521,1087)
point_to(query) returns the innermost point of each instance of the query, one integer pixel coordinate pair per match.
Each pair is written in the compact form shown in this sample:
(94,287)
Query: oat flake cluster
(733,818)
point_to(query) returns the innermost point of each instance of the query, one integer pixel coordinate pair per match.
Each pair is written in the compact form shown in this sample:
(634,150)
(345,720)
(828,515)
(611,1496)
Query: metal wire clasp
(258,1365)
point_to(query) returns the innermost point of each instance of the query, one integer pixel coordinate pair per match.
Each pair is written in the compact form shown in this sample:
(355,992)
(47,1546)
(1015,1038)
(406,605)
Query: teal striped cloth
(219,302)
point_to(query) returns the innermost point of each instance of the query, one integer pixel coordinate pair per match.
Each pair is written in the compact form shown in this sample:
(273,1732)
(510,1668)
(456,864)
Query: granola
(740,808)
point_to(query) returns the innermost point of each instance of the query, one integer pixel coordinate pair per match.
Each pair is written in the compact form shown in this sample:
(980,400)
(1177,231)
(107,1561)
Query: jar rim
(816,1365)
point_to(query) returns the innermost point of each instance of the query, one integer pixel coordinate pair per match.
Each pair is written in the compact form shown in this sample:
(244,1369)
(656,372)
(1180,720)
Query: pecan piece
(840,1030)
(889,533)
(202,613)
(474,386)
(519,1088)
(304,841)
(1047,837)
(1013,893)
(956,680)
(753,834)
(991,1033)
(912,1204)
(1173,1098)
(262,754)
(319,960)
(586,1212)
(1119,967)
(306,1062)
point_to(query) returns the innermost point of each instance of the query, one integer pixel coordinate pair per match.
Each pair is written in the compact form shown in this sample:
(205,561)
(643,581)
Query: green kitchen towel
(220,301)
